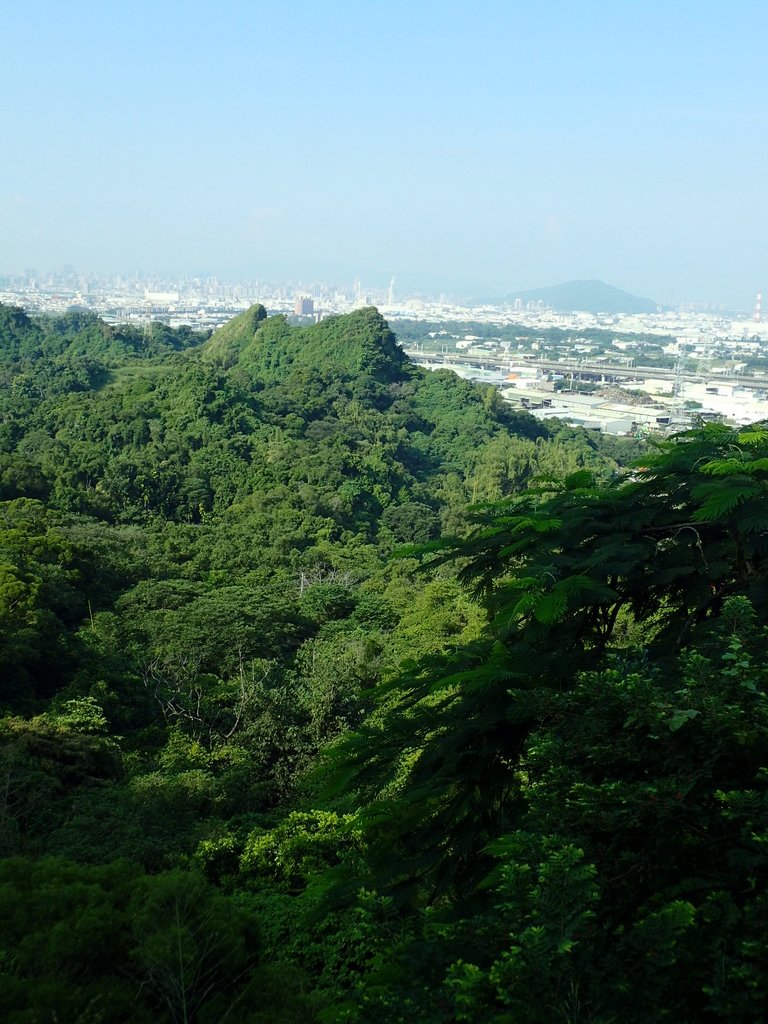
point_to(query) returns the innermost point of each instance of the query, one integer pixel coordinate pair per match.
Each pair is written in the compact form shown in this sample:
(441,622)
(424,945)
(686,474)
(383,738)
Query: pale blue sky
(473,147)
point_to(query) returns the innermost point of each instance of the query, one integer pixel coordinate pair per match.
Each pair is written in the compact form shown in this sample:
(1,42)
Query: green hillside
(360,343)
(229,341)
(331,690)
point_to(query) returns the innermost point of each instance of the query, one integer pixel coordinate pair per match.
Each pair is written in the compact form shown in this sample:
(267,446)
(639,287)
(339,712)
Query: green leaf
(719,501)
(678,720)
(581,479)
(753,436)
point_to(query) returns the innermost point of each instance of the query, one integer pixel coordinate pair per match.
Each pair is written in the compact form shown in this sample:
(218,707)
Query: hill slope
(196,599)
(360,342)
(225,346)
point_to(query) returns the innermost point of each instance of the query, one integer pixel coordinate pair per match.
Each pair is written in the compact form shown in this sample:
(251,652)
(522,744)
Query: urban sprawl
(619,373)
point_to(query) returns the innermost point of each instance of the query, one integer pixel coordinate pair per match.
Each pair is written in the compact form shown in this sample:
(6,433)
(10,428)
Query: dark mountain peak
(591,296)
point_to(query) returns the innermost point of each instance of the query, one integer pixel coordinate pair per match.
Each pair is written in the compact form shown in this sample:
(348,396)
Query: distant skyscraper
(304,306)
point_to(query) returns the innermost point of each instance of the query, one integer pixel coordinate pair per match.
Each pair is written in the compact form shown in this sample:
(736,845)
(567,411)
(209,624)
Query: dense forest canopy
(336,690)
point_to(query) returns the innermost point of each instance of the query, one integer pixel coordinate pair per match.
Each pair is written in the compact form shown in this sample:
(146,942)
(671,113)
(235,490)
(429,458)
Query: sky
(471,148)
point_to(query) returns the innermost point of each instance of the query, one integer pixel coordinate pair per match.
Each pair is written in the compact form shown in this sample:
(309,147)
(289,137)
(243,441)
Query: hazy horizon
(479,149)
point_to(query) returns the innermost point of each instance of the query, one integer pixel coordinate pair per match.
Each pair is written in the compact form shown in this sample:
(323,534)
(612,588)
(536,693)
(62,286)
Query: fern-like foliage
(441,769)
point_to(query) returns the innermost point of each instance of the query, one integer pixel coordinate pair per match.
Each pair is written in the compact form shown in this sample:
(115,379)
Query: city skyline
(470,150)
(67,288)
(70,279)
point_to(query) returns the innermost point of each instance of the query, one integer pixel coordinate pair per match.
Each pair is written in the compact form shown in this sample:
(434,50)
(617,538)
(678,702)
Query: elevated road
(585,368)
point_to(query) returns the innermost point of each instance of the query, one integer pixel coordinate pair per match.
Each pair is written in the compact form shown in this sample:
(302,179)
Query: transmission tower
(678,384)
(147,338)
(705,361)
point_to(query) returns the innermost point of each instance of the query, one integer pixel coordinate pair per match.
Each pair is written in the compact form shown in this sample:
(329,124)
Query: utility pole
(678,383)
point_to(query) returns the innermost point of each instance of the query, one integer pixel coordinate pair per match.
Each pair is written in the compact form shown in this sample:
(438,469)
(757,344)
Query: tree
(411,523)
(109,943)
(191,947)
(613,784)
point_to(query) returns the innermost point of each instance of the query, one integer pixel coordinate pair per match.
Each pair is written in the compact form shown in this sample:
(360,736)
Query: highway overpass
(583,368)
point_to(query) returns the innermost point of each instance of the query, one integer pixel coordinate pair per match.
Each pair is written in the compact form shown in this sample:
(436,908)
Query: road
(579,366)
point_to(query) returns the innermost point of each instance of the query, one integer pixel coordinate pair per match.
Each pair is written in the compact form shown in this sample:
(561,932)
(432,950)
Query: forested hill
(206,464)
(108,423)
(334,691)
(358,344)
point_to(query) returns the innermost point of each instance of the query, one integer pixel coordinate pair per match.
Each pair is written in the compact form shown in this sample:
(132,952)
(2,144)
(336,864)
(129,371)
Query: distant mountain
(586,297)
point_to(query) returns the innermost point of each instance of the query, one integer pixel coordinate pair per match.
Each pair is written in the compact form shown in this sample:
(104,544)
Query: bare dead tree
(176,689)
(180,695)
(249,691)
(325,574)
